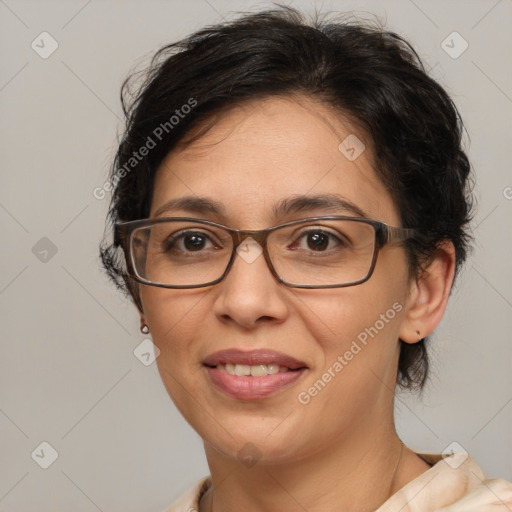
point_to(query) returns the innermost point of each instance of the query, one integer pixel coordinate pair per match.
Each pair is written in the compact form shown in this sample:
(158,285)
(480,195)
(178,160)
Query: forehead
(259,153)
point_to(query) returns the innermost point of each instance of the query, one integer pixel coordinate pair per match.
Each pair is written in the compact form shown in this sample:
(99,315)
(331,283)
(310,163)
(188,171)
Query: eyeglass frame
(384,234)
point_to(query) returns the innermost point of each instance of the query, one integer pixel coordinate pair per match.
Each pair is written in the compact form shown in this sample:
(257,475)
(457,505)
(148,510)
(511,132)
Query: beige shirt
(453,484)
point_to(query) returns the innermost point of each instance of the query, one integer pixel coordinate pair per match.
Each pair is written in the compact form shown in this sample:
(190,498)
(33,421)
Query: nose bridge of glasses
(258,236)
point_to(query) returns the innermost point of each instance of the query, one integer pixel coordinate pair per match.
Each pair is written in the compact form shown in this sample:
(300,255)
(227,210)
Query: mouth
(256,370)
(252,375)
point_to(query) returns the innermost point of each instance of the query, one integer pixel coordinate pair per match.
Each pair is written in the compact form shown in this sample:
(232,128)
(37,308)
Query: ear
(429,294)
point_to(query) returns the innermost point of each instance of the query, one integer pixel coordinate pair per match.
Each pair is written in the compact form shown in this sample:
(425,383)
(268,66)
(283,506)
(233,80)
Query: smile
(257,370)
(252,375)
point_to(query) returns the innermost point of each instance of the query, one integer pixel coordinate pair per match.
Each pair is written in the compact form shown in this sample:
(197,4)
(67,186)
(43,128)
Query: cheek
(175,321)
(169,312)
(175,317)
(355,313)
(356,329)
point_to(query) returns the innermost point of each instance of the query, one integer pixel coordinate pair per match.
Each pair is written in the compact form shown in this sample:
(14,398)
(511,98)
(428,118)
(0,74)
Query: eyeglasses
(317,252)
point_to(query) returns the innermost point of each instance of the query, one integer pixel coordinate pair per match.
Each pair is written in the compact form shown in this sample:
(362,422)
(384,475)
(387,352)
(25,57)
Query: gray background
(68,372)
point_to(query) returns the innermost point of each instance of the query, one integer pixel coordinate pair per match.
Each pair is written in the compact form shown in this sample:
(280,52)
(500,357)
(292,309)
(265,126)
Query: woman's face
(345,339)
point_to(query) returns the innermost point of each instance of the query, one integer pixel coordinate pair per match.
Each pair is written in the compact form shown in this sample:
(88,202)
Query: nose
(250,294)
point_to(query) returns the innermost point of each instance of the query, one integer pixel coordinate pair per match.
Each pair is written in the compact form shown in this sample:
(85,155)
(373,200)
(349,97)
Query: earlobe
(144,329)
(429,295)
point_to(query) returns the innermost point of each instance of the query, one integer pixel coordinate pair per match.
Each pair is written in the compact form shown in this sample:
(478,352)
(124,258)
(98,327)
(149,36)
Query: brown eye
(194,242)
(317,241)
(187,241)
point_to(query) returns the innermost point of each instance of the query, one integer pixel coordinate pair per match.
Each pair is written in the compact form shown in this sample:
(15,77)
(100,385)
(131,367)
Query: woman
(290,210)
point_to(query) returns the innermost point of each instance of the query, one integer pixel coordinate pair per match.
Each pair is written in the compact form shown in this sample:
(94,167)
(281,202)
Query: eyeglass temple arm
(119,236)
(394,234)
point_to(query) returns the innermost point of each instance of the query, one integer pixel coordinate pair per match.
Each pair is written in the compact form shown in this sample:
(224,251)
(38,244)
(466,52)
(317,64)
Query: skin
(341,450)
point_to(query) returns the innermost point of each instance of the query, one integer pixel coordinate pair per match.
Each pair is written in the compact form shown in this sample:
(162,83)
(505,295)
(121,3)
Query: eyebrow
(331,203)
(193,204)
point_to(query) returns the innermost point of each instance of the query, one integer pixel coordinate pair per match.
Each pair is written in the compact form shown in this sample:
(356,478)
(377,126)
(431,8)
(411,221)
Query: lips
(254,374)
(253,358)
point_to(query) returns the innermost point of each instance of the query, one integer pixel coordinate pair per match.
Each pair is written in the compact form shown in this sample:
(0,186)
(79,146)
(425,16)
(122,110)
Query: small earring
(419,335)
(144,329)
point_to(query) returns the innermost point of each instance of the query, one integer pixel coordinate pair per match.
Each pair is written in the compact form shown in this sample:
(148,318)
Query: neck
(356,474)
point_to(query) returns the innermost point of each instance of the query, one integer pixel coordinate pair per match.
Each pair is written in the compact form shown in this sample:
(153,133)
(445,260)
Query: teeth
(242,369)
(258,370)
(272,368)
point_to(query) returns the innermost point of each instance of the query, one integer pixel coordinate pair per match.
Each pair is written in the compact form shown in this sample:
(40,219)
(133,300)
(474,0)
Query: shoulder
(453,484)
(189,501)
